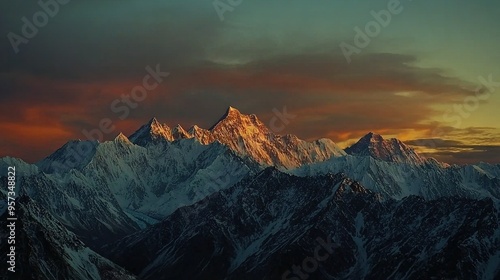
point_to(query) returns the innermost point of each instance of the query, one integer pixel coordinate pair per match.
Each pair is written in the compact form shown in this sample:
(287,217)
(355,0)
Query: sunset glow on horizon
(422,76)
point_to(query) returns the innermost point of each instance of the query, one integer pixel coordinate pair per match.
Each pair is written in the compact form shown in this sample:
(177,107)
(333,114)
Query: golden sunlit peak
(231,112)
(122,138)
(231,109)
(154,121)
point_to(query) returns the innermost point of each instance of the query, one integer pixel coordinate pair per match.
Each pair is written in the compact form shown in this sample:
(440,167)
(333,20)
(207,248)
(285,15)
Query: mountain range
(238,201)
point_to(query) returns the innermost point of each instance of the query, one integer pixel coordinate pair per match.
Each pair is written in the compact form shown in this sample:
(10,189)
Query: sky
(426,72)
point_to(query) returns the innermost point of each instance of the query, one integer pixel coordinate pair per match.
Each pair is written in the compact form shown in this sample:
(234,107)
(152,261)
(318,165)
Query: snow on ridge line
(246,135)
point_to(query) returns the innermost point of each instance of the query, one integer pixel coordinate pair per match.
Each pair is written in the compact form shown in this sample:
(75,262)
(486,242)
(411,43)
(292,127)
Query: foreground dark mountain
(263,226)
(47,250)
(87,209)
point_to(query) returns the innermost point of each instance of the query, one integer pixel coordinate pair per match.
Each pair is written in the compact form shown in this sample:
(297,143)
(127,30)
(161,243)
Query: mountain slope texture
(239,201)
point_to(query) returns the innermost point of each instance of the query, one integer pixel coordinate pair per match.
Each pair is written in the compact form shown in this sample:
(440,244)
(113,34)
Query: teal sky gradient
(262,55)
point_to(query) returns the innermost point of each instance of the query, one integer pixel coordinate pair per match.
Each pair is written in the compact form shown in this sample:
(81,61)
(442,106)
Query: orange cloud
(339,102)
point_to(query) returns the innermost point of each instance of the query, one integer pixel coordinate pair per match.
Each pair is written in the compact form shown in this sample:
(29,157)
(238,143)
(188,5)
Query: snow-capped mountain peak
(211,191)
(122,139)
(154,122)
(232,111)
(233,122)
(373,137)
(153,131)
(247,136)
(192,130)
(202,135)
(179,133)
(233,117)
(391,150)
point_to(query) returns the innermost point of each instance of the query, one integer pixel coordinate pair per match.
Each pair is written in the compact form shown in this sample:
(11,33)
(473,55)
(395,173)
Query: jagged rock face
(154,180)
(248,137)
(47,250)
(152,132)
(157,179)
(263,226)
(73,155)
(90,211)
(391,150)
(430,180)
(120,187)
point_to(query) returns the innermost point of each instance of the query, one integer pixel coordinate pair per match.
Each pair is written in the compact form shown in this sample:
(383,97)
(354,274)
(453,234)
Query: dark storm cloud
(461,151)
(108,41)
(328,101)
(468,154)
(93,52)
(385,67)
(436,143)
(326,93)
